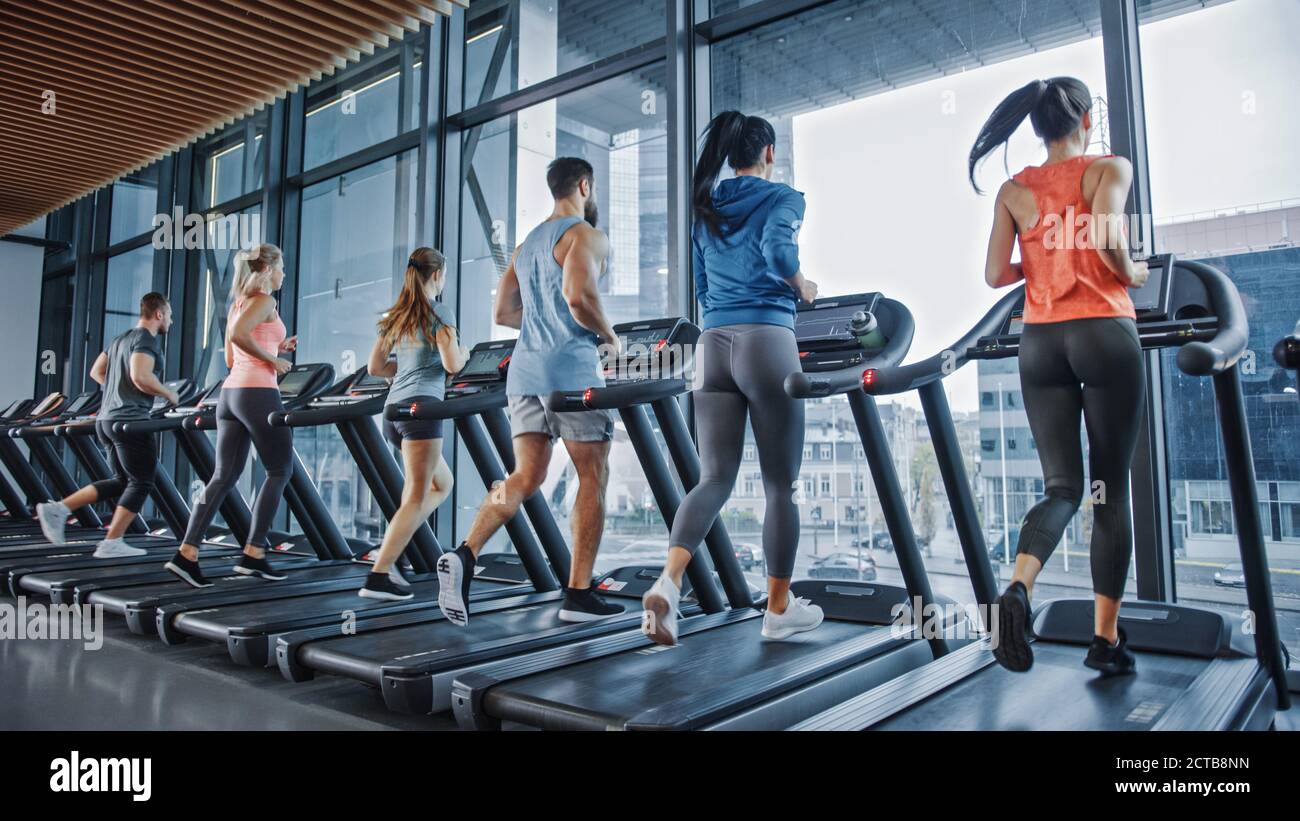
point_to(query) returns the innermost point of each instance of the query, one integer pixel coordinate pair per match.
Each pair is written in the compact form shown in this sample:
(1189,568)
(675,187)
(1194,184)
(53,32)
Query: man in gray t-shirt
(129,372)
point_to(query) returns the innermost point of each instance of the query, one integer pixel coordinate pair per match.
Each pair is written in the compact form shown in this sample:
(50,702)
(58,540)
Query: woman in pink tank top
(255,340)
(1080,354)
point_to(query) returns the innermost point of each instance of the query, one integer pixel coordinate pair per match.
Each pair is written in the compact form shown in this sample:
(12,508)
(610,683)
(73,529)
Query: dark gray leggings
(242,421)
(1091,367)
(742,369)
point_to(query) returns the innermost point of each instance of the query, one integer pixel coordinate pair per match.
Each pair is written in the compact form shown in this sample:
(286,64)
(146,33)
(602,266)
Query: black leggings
(133,458)
(1093,367)
(242,421)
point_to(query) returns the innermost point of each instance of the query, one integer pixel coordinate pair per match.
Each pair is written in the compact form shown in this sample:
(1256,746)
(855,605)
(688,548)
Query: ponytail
(1054,107)
(253,268)
(412,314)
(735,139)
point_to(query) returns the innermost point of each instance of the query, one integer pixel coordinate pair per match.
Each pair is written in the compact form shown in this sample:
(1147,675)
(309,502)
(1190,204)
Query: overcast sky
(889,207)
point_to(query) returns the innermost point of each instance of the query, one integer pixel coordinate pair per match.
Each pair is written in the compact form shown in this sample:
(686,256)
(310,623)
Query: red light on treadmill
(586,396)
(868,378)
(414,405)
(802,354)
(504,362)
(659,346)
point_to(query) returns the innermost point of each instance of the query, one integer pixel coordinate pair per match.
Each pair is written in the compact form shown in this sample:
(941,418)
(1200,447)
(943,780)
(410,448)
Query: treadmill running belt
(363,655)
(648,687)
(1059,693)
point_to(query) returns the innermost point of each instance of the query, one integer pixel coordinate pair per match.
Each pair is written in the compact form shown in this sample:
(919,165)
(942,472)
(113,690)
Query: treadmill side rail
(900,693)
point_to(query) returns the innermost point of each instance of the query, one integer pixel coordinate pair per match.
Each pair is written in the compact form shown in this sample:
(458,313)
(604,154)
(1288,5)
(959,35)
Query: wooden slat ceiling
(134,80)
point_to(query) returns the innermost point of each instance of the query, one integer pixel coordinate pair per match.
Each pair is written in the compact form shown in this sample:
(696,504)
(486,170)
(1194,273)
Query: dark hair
(564,174)
(732,138)
(151,303)
(1054,107)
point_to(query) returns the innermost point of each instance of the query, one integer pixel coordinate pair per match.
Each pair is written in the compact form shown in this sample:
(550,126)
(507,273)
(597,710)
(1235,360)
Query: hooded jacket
(741,277)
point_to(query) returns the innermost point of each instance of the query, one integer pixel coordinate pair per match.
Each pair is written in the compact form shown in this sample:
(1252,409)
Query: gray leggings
(742,369)
(242,421)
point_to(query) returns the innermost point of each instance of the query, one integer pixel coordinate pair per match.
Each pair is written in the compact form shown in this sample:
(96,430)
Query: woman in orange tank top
(255,340)
(1080,356)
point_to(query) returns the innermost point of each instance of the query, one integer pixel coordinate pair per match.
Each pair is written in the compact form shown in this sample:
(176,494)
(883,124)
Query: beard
(591,213)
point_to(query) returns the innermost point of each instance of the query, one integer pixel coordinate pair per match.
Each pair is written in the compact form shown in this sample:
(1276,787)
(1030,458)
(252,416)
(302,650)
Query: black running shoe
(455,572)
(261,568)
(1012,649)
(381,586)
(586,604)
(187,571)
(1111,659)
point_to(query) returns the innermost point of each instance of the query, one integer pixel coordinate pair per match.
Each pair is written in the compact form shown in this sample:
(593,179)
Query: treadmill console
(358,388)
(1152,303)
(488,364)
(828,331)
(651,349)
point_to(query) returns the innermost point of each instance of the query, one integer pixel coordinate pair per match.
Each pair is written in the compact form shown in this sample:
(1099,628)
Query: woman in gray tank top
(422,334)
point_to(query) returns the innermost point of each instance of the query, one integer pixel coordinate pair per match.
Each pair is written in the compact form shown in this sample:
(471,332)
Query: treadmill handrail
(900,379)
(802,385)
(1222,351)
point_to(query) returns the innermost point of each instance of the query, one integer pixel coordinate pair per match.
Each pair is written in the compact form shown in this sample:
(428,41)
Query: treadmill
(16,515)
(118,587)
(75,424)
(722,674)
(54,571)
(1197,669)
(412,657)
(249,629)
(20,467)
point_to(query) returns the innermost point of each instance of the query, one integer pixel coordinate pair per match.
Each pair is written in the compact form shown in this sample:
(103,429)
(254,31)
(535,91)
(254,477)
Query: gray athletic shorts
(528,414)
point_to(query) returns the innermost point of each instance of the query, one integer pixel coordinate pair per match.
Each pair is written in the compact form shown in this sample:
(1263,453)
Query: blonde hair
(412,314)
(253,268)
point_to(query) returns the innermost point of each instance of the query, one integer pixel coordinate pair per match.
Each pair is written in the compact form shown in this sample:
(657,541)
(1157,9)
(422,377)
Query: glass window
(372,102)
(135,202)
(518,43)
(1229,199)
(55,333)
(223,237)
(233,163)
(505,196)
(130,276)
(357,231)
(870,97)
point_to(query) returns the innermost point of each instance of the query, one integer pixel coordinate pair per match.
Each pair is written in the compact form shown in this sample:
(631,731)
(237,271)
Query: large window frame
(442,122)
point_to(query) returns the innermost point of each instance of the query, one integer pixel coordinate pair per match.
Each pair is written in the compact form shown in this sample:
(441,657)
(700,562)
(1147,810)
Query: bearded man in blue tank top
(549,293)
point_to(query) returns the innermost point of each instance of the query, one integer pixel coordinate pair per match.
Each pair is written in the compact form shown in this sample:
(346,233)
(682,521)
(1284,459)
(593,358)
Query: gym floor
(138,683)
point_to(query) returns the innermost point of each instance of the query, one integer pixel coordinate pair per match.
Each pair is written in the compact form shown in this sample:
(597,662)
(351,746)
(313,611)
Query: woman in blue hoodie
(747,281)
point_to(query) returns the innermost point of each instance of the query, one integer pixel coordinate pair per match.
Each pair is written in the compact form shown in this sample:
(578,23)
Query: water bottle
(864,326)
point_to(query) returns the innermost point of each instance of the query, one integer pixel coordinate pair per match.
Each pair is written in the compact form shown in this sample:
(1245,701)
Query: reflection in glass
(130,276)
(1228,200)
(357,231)
(875,106)
(619,127)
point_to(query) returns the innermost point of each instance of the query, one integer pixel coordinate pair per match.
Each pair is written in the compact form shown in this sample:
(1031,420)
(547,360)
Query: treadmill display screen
(828,323)
(294,381)
(369,382)
(79,403)
(1151,297)
(643,336)
(486,362)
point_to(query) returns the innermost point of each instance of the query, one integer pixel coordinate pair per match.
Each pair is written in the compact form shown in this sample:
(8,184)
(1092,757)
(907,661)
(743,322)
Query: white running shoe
(799,617)
(53,518)
(117,549)
(659,617)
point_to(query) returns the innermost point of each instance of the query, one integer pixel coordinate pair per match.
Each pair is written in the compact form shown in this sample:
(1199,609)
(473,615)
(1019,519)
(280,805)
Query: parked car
(880,540)
(749,555)
(843,566)
(1230,575)
(997,552)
